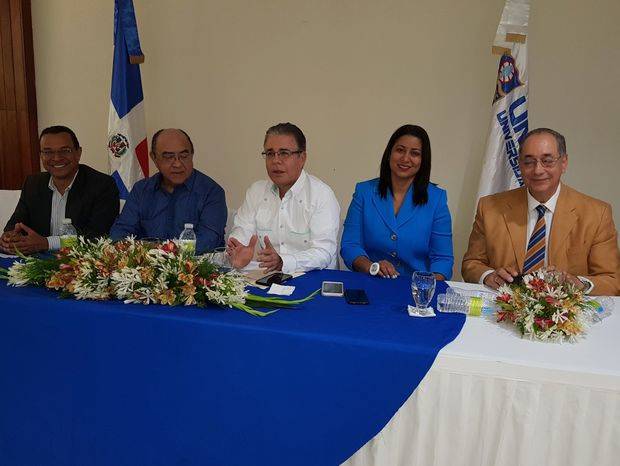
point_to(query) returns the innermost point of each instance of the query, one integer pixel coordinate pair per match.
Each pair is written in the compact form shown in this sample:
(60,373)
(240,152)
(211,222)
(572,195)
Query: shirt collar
(188,183)
(52,186)
(297,187)
(550,204)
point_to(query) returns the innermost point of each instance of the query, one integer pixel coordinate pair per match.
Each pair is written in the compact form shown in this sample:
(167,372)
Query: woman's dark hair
(422,178)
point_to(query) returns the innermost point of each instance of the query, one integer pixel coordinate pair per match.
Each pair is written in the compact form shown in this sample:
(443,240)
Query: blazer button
(393,237)
(393,254)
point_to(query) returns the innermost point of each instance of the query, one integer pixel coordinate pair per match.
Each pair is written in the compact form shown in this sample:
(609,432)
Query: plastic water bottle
(187,239)
(68,234)
(602,307)
(473,304)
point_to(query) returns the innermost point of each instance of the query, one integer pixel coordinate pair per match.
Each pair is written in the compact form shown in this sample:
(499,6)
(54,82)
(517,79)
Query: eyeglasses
(182,156)
(62,152)
(546,162)
(282,153)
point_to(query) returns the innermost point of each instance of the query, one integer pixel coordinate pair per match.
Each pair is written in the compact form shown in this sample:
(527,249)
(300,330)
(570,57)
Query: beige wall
(348,73)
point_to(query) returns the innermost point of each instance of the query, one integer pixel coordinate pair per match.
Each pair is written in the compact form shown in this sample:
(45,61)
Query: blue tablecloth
(103,383)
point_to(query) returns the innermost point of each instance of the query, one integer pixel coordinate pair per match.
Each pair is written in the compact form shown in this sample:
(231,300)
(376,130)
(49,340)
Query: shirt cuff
(485,275)
(289,263)
(53,243)
(589,285)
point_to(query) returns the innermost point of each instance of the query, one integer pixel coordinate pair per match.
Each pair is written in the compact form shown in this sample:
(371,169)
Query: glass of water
(220,257)
(423,289)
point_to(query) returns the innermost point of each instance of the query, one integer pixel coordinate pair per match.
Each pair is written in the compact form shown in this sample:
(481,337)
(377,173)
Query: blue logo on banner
(507,77)
(514,123)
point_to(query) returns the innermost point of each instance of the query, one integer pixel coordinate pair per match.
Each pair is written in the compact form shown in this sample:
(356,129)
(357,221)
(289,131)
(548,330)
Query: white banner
(509,118)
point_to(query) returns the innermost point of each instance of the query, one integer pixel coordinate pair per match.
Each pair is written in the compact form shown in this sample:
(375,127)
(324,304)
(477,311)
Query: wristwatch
(374,269)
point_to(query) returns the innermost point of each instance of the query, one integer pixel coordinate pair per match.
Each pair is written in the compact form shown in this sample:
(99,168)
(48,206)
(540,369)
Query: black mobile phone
(355,296)
(275,277)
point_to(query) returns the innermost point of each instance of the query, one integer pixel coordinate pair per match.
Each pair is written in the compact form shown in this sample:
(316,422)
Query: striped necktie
(535,255)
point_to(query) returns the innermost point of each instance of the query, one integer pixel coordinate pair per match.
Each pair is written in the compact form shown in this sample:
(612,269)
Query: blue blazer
(418,238)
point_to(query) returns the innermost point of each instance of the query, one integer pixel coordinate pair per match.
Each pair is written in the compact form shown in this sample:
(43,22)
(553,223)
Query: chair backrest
(8,201)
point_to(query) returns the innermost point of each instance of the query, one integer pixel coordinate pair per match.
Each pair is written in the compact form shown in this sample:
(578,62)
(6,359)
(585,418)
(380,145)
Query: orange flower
(166,297)
(186,278)
(188,290)
(55,281)
(146,275)
(537,284)
(570,327)
(190,266)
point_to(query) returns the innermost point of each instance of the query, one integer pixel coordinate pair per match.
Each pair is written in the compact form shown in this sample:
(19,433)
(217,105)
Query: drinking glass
(423,289)
(220,257)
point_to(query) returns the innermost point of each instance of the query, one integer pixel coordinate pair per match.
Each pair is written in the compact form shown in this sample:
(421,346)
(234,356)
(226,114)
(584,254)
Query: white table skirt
(493,398)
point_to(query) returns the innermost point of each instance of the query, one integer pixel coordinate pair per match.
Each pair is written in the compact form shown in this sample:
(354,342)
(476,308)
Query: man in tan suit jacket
(582,241)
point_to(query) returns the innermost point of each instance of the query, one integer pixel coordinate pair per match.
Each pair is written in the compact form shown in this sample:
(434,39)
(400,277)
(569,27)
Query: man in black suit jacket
(67,190)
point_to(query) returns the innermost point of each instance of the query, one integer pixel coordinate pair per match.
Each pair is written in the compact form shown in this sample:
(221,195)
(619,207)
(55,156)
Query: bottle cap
(66,221)
(189,225)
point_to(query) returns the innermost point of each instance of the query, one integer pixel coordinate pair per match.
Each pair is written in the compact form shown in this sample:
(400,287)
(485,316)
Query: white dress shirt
(59,205)
(302,226)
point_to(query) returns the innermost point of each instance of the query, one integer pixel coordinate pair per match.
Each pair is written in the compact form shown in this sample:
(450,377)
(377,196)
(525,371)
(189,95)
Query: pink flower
(169,246)
(505,315)
(504,297)
(543,323)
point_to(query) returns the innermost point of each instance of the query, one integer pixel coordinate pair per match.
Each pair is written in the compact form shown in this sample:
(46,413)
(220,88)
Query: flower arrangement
(140,272)
(543,306)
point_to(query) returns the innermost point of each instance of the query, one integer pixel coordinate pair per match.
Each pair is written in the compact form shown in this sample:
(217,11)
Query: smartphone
(356,297)
(332,289)
(275,277)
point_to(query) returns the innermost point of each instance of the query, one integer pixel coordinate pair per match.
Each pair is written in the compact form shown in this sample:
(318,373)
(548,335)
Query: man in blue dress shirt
(159,206)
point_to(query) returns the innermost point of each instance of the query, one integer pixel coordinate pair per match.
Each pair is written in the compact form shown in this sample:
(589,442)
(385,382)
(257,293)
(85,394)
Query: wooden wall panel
(18,110)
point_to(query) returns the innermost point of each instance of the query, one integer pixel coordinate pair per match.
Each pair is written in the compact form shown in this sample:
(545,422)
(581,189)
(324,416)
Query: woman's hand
(386,268)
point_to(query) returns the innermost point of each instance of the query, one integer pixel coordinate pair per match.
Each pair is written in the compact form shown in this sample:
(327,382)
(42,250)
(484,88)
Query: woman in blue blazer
(400,222)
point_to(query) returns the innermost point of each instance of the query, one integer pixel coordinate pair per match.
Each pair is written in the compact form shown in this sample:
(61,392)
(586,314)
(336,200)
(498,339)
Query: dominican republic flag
(128,152)
(509,120)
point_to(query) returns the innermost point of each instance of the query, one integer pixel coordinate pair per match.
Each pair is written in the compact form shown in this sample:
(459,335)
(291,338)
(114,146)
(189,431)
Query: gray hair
(288,129)
(559,139)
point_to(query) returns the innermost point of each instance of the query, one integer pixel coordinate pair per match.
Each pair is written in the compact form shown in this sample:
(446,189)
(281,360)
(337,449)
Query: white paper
(415,312)
(281,290)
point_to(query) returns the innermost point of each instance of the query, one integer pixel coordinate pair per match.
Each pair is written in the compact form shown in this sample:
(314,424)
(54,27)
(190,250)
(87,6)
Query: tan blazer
(583,238)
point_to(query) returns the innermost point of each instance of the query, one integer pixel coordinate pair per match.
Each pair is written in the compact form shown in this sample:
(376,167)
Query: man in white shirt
(544,224)
(294,217)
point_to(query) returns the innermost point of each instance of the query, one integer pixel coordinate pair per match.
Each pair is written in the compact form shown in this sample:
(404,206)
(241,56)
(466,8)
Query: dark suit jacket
(583,238)
(92,203)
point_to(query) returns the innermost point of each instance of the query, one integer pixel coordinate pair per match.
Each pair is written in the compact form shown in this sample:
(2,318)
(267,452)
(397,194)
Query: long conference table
(103,383)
